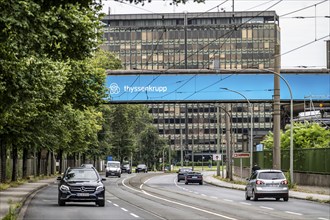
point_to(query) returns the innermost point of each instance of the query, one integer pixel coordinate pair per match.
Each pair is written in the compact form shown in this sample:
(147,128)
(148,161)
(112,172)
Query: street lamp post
(251,120)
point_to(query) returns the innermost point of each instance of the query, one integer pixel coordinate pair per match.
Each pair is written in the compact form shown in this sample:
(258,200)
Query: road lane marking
(115,205)
(265,207)
(109,201)
(203,194)
(189,206)
(323,218)
(214,197)
(228,200)
(124,209)
(293,213)
(132,214)
(245,203)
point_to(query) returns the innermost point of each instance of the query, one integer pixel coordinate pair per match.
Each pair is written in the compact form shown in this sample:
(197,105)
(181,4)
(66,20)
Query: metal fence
(312,160)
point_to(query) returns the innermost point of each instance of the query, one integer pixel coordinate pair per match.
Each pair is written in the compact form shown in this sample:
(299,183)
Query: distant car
(141,168)
(126,168)
(194,177)
(81,184)
(182,173)
(87,165)
(267,183)
(113,169)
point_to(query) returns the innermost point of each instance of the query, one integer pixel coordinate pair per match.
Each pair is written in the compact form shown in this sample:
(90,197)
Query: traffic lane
(184,205)
(146,206)
(44,206)
(294,207)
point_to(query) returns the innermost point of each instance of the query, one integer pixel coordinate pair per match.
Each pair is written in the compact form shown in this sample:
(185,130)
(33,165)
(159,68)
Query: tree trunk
(39,163)
(3,158)
(59,157)
(52,163)
(15,160)
(47,167)
(24,165)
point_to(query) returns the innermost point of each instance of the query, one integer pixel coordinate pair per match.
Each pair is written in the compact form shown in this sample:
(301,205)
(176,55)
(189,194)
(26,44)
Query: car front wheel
(60,202)
(286,199)
(246,195)
(101,203)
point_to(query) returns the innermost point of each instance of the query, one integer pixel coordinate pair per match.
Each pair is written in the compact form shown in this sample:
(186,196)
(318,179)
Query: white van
(113,169)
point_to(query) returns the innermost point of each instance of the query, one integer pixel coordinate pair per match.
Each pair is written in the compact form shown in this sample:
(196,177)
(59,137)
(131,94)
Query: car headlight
(99,188)
(64,188)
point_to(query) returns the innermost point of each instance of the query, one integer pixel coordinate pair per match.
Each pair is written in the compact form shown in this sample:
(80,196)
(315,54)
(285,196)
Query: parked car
(81,184)
(267,183)
(194,177)
(182,173)
(126,168)
(141,168)
(113,169)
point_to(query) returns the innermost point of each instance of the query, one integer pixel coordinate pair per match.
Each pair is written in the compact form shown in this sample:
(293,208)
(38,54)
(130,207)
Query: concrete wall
(307,179)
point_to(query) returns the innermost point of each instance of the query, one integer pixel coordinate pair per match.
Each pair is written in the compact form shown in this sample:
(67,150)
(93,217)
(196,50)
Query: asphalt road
(150,196)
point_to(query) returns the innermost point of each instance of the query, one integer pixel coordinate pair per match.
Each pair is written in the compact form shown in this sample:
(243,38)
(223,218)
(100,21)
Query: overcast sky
(305,24)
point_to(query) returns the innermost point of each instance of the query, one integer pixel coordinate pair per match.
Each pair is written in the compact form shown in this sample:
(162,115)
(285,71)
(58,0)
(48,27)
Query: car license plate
(194,177)
(83,194)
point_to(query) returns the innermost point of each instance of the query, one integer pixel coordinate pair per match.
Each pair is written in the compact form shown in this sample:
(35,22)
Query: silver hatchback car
(267,184)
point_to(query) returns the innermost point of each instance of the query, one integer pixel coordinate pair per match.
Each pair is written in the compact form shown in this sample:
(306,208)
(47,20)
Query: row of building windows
(204,120)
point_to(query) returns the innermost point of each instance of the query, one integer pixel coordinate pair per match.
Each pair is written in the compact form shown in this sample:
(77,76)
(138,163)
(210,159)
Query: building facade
(212,40)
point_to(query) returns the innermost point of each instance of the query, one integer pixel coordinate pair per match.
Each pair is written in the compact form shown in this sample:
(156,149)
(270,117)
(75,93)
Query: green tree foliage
(150,146)
(126,123)
(176,2)
(305,135)
(49,89)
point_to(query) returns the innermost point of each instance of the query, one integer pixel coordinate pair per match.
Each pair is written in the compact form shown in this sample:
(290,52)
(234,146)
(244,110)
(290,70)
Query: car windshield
(81,174)
(271,175)
(141,166)
(185,170)
(115,165)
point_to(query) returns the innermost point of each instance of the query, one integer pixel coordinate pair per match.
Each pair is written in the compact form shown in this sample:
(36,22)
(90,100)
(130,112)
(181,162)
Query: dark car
(194,177)
(126,168)
(267,183)
(182,173)
(141,168)
(81,184)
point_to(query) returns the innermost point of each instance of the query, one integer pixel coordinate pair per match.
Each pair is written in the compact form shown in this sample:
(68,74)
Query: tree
(305,135)
(44,47)
(151,146)
(176,2)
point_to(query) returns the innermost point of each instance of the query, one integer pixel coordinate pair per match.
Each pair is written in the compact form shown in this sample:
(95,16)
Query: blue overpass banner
(131,88)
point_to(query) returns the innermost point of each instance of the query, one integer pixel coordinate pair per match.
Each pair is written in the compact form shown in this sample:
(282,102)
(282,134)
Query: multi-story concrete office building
(212,40)
(225,40)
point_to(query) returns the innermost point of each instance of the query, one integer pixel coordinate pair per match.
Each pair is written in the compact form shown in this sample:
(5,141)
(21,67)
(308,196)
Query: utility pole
(185,23)
(228,143)
(218,141)
(277,112)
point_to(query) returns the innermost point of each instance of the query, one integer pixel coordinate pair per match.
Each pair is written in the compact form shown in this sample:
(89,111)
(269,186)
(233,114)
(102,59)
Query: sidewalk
(18,195)
(306,194)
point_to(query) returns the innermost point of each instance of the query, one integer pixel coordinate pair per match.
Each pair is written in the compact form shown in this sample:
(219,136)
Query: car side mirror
(104,179)
(247,179)
(59,178)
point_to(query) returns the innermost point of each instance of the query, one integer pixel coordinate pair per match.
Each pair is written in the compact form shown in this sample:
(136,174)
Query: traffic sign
(216,157)
(241,155)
